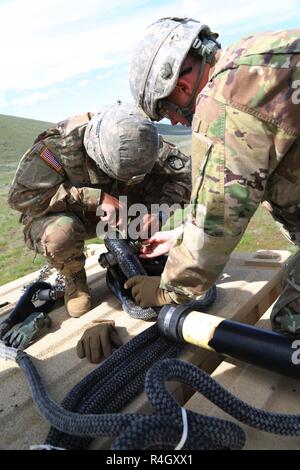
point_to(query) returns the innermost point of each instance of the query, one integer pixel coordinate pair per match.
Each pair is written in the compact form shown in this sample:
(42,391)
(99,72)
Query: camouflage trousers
(285,315)
(60,238)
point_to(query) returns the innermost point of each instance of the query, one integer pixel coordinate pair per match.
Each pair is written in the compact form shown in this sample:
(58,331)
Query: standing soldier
(243,104)
(85,162)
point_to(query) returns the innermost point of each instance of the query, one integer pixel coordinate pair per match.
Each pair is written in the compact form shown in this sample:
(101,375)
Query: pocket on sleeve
(207,200)
(34,173)
(201,147)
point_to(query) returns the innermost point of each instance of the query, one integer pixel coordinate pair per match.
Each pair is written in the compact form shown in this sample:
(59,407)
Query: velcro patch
(48,157)
(175,162)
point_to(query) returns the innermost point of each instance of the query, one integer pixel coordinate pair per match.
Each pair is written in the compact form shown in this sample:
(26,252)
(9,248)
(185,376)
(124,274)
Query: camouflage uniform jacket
(245,149)
(57,175)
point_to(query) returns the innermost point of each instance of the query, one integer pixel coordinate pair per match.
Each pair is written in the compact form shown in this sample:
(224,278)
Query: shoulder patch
(48,157)
(175,162)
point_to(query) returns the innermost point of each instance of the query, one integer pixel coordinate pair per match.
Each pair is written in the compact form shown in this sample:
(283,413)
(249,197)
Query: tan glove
(98,341)
(146,291)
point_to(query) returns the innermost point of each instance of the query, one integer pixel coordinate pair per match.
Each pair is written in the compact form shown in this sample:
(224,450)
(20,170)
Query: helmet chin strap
(188,110)
(176,109)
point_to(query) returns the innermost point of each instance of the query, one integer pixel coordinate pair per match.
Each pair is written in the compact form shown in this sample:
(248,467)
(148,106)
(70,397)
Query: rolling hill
(16,136)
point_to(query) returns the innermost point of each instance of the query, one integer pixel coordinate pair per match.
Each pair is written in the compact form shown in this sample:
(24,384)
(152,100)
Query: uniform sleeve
(74,199)
(176,167)
(230,156)
(39,188)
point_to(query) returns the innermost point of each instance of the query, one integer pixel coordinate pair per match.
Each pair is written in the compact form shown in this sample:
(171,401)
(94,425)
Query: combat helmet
(158,57)
(123,142)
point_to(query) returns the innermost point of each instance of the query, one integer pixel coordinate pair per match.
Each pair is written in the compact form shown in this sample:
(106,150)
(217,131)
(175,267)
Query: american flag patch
(49,158)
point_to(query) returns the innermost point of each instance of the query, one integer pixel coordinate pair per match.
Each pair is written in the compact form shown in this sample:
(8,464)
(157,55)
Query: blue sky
(63,57)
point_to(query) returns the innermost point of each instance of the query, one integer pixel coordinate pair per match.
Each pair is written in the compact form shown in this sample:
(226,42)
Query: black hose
(25,306)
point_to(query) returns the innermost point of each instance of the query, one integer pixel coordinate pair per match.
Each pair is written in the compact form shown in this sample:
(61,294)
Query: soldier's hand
(98,341)
(149,225)
(159,244)
(113,212)
(146,291)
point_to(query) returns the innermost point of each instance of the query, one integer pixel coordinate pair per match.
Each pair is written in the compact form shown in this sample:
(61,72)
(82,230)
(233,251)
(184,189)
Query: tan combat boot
(77,293)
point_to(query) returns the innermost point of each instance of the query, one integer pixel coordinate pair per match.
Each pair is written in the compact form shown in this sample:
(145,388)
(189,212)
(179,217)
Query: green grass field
(16,260)
(16,135)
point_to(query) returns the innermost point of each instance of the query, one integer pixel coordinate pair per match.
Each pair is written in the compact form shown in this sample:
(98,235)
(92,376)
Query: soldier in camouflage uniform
(85,162)
(243,104)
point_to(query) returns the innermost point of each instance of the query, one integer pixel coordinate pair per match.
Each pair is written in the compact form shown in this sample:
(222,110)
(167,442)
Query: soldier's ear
(184,86)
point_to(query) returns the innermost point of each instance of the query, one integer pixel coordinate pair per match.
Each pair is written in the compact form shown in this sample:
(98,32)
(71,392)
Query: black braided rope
(112,385)
(115,281)
(203,432)
(164,429)
(115,383)
(122,375)
(125,256)
(84,425)
(130,265)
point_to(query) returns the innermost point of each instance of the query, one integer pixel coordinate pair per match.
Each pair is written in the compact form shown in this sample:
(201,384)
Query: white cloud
(32,98)
(50,41)
(35,15)
(83,83)
(104,76)
(240,15)
(49,44)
